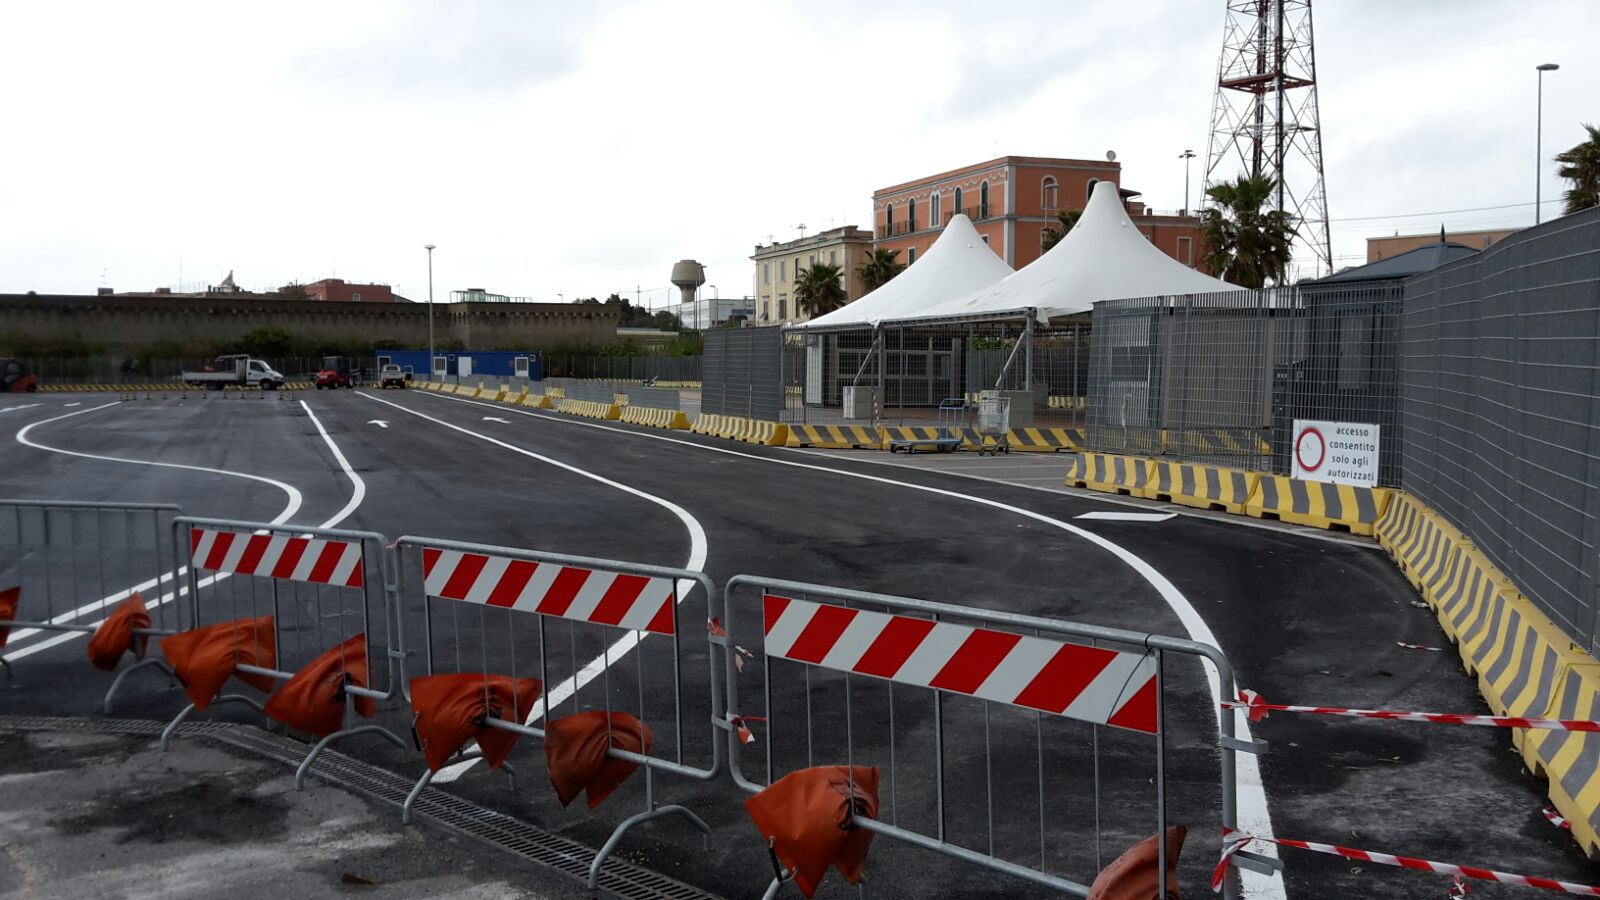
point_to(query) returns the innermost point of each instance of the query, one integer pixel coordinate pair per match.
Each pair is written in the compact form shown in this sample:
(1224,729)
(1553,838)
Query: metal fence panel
(743,372)
(1500,385)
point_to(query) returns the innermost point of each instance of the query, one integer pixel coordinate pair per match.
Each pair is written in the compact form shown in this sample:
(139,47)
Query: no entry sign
(1337,452)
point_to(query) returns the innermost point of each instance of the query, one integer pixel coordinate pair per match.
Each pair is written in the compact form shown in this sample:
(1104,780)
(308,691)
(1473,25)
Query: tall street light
(431,364)
(1538,141)
(1186,156)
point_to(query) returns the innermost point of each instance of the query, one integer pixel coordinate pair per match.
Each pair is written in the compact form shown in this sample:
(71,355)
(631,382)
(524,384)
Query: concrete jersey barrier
(1318,503)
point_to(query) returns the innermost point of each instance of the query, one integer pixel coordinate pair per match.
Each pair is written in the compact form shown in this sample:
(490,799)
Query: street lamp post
(429,248)
(1186,156)
(1538,141)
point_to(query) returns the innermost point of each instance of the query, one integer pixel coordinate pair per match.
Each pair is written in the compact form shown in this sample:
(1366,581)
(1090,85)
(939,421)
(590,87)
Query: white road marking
(358,493)
(70,405)
(18,408)
(1253,814)
(629,640)
(378,422)
(1126,517)
(495,419)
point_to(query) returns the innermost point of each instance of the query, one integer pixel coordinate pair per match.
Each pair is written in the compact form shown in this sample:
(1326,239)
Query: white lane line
(358,493)
(1126,517)
(1253,811)
(629,640)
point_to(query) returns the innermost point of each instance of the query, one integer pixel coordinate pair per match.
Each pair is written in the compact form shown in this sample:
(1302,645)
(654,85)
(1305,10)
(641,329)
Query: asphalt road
(1304,620)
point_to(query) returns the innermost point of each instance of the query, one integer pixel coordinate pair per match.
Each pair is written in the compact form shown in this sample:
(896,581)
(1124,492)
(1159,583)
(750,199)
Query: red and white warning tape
(1405,646)
(1258,708)
(1234,841)
(1557,819)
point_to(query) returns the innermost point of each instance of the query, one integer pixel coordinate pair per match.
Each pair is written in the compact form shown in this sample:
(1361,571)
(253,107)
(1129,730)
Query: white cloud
(583,148)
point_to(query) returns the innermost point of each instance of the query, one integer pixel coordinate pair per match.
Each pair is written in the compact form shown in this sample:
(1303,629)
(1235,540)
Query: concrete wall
(123,322)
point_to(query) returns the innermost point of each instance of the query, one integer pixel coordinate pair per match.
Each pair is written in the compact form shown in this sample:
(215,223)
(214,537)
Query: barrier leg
(5,665)
(123,675)
(305,765)
(616,837)
(772,889)
(166,733)
(427,778)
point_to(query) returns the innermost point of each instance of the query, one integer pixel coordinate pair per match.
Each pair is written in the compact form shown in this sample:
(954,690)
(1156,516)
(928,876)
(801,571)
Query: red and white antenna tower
(1264,119)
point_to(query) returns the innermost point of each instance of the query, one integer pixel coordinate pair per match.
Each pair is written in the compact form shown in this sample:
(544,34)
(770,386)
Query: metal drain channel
(514,836)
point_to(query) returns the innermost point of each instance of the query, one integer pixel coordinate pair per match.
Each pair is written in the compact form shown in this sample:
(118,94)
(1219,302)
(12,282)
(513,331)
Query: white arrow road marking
(1126,517)
(378,422)
(496,419)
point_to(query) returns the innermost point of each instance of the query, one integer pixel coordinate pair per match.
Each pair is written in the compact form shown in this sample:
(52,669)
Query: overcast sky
(581,148)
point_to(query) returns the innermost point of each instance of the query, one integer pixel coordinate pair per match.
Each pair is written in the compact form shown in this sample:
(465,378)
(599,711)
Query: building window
(811,260)
(933,210)
(833,257)
(1089,192)
(986,240)
(1186,251)
(797,268)
(766,312)
(888,220)
(911,255)
(1049,194)
(983,200)
(766,273)
(958,201)
(783,307)
(783,270)
(355,298)
(911,216)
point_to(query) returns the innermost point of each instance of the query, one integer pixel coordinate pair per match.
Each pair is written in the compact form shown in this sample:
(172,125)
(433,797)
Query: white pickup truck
(238,369)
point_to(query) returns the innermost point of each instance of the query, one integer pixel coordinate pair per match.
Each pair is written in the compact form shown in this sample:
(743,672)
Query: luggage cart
(952,419)
(994,422)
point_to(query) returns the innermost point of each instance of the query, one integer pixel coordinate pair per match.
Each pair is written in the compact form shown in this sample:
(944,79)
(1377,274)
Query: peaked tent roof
(1104,257)
(1402,265)
(958,263)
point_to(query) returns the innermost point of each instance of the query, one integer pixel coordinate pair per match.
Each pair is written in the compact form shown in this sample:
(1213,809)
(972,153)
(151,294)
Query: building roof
(1104,257)
(958,262)
(1402,265)
(1098,164)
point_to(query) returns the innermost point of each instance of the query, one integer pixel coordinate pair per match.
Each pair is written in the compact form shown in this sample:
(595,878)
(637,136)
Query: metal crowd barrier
(580,616)
(996,685)
(320,585)
(74,562)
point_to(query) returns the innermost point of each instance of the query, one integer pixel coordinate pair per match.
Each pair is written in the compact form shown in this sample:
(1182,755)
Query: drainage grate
(617,877)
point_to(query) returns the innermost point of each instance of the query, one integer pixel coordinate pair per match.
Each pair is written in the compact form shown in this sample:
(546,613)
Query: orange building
(1011,201)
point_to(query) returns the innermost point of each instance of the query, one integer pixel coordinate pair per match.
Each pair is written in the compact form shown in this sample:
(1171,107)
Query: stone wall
(121,323)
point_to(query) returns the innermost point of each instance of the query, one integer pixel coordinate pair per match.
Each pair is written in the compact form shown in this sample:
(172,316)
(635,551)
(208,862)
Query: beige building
(779,264)
(1394,245)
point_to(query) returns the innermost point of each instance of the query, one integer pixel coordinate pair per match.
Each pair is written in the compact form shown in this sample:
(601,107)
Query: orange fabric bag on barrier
(1135,875)
(203,658)
(575,752)
(313,700)
(451,710)
(115,635)
(807,814)
(10,599)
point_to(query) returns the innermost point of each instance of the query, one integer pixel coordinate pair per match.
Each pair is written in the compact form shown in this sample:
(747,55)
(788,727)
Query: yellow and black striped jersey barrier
(835,437)
(536,401)
(674,419)
(1201,486)
(751,431)
(556,393)
(1111,473)
(1318,503)
(590,409)
(1524,664)
(1045,440)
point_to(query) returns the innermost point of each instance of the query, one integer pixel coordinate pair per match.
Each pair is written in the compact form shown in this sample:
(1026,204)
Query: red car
(334,374)
(15,378)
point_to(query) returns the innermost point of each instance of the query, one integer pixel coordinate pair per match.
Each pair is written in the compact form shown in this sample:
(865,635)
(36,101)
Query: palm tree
(817,290)
(1065,220)
(1581,166)
(879,269)
(1249,247)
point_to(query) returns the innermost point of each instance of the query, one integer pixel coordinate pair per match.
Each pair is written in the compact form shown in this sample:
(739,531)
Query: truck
(334,374)
(238,369)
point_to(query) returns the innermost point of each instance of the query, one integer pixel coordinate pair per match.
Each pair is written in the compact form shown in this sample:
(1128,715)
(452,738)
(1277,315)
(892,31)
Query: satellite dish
(1111,156)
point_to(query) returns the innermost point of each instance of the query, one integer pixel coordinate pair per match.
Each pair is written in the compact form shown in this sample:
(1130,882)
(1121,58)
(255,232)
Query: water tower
(688,275)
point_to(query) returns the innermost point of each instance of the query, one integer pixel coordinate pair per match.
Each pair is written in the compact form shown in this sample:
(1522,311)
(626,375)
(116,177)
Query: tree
(879,269)
(1248,246)
(293,292)
(1066,219)
(817,290)
(1581,166)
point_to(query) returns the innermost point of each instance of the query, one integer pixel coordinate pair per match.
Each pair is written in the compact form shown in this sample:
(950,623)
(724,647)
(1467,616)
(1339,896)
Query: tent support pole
(1000,383)
(878,399)
(1027,337)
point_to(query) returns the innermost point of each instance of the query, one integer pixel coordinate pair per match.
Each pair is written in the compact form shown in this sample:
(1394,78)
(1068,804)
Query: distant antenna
(802,227)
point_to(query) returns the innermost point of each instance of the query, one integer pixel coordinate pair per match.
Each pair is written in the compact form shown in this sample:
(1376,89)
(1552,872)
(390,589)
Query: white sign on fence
(1338,452)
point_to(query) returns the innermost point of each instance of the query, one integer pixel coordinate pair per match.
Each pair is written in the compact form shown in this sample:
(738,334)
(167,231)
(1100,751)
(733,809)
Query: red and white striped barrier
(1234,841)
(634,602)
(1258,708)
(311,560)
(1091,684)
(1556,819)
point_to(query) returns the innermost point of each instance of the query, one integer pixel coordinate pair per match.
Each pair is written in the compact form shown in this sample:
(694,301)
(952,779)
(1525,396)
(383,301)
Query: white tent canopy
(957,264)
(1104,257)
